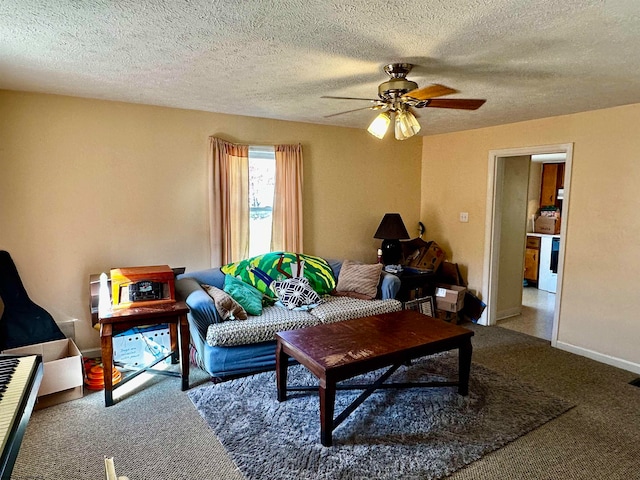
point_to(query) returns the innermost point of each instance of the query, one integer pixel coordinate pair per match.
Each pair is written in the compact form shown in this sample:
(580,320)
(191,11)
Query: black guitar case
(22,322)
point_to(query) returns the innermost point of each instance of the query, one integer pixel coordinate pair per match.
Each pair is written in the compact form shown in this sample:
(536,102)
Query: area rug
(417,433)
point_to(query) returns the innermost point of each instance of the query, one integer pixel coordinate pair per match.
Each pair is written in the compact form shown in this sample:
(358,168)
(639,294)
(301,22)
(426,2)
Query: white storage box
(138,347)
(63,377)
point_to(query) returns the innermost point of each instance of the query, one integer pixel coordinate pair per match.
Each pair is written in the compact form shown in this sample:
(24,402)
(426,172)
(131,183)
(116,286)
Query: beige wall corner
(599,302)
(88,185)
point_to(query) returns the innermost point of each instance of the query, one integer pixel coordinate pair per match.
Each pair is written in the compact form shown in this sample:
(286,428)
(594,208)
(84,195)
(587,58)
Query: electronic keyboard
(20,378)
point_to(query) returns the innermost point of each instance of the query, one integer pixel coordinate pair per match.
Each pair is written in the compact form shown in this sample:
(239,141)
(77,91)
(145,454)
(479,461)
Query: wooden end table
(119,320)
(414,285)
(337,351)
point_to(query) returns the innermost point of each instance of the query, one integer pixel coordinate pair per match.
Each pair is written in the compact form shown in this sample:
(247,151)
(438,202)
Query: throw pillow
(256,270)
(227,307)
(295,292)
(358,280)
(249,297)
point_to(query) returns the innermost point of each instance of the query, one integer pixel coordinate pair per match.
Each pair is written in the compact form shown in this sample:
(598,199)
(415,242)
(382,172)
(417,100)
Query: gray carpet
(414,433)
(156,433)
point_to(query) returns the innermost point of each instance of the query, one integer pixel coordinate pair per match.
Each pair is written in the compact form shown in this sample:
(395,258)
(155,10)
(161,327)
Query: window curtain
(228,201)
(286,233)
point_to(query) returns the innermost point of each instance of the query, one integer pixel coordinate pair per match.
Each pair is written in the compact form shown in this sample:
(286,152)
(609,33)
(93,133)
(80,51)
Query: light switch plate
(464,217)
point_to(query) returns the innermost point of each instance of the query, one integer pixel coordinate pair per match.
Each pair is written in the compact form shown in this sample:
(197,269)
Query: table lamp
(391,231)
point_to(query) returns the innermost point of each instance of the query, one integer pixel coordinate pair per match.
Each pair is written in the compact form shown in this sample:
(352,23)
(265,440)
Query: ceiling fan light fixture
(380,124)
(401,133)
(406,125)
(398,98)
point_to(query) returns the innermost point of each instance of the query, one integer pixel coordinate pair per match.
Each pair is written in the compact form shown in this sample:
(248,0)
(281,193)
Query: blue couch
(225,361)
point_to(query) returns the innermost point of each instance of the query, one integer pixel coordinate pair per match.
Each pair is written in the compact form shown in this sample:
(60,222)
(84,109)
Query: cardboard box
(429,258)
(447,316)
(449,273)
(450,298)
(141,346)
(550,225)
(63,378)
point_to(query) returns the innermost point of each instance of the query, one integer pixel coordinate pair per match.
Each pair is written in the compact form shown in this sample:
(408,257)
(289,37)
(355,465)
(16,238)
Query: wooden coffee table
(337,351)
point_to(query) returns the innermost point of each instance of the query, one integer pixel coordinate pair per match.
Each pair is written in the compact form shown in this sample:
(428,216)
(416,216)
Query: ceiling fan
(399,96)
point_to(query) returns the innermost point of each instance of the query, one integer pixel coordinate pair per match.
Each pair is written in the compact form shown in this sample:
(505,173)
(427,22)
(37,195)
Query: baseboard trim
(92,353)
(600,357)
(508,313)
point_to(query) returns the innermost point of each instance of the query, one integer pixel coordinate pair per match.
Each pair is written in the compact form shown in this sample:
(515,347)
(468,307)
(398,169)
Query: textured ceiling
(276,58)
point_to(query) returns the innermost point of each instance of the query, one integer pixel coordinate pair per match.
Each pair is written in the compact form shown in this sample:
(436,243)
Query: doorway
(497,243)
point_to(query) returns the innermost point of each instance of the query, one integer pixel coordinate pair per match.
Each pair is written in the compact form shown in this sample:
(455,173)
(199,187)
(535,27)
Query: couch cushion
(227,307)
(295,292)
(358,280)
(249,297)
(336,309)
(259,328)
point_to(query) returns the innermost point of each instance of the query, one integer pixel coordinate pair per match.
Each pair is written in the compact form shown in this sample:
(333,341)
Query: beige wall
(600,303)
(86,185)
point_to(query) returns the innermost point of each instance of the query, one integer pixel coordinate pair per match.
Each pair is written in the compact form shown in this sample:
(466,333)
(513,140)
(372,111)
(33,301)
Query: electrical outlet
(464,217)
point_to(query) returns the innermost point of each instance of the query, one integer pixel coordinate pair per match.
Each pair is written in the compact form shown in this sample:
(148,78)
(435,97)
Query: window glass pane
(262,174)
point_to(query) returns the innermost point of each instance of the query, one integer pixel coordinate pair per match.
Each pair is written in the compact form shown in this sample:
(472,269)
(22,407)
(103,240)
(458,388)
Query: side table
(113,321)
(415,285)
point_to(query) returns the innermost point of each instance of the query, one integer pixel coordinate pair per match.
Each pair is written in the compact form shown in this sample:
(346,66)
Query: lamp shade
(406,125)
(391,228)
(379,126)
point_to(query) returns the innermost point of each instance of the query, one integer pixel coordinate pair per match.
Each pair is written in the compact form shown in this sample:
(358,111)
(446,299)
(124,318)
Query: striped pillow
(358,280)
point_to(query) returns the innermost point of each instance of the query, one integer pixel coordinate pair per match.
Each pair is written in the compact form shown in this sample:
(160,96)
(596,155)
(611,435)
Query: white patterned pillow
(295,292)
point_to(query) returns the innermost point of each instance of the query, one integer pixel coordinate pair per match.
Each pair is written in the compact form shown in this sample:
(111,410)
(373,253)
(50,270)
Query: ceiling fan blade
(349,111)
(430,91)
(459,103)
(352,98)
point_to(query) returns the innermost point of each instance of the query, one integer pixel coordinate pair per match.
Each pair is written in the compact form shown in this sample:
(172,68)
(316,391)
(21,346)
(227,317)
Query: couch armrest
(210,276)
(202,309)
(389,286)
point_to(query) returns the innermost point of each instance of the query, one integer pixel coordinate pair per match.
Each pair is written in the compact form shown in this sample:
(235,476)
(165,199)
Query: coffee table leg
(281,372)
(327,392)
(464,360)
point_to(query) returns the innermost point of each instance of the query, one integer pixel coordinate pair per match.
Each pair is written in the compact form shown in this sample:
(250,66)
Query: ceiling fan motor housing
(399,95)
(395,87)
(398,85)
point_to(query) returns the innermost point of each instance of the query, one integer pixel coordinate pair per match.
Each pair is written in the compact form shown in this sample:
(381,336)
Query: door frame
(492,228)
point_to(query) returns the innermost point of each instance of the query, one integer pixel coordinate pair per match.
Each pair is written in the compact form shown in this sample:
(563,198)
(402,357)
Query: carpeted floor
(417,433)
(156,433)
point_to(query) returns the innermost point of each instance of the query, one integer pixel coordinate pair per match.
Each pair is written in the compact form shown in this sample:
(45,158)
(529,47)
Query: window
(262,176)
(276,180)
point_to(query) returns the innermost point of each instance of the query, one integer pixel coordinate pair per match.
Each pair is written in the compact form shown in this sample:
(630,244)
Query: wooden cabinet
(532,259)
(552,180)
